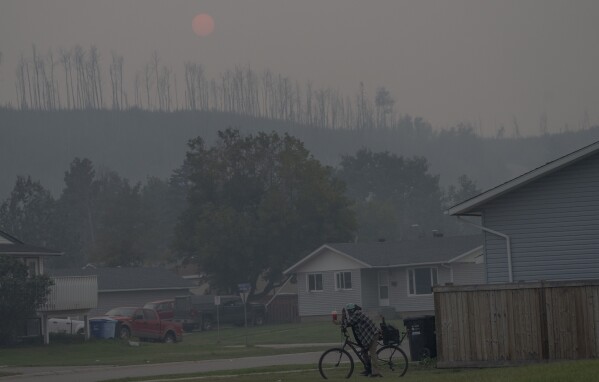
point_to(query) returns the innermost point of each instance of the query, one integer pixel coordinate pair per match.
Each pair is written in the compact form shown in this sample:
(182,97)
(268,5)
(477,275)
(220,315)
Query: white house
(68,296)
(387,277)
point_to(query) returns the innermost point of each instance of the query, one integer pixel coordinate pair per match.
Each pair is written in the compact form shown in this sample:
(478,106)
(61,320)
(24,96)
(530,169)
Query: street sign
(244,287)
(217,300)
(244,296)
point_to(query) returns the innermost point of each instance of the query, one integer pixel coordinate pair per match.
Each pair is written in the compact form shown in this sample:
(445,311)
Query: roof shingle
(129,278)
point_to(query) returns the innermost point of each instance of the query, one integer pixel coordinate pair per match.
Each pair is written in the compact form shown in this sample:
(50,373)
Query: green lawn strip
(226,343)
(120,353)
(237,373)
(6,374)
(579,371)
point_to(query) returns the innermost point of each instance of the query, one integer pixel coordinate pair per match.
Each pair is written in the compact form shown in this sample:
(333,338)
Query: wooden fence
(283,309)
(501,324)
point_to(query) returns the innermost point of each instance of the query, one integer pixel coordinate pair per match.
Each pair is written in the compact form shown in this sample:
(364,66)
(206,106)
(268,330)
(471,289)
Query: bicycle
(392,360)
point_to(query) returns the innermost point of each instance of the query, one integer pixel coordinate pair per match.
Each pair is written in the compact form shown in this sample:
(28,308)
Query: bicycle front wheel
(336,363)
(392,361)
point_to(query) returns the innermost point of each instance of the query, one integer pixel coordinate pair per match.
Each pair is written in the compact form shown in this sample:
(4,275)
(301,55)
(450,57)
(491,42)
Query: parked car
(165,308)
(121,313)
(66,325)
(145,324)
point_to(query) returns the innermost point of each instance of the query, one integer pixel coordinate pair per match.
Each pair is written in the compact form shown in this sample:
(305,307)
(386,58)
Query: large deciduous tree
(75,212)
(396,197)
(20,295)
(161,204)
(29,212)
(99,218)
(257,204)
(117,216)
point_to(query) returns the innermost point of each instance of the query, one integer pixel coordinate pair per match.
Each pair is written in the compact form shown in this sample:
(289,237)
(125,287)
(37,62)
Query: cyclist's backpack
(389,333)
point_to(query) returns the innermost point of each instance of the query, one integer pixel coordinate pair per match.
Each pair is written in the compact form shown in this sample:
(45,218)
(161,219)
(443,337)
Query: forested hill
(138,144)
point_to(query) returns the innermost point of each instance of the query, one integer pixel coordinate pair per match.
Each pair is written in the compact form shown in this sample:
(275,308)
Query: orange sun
(202,24)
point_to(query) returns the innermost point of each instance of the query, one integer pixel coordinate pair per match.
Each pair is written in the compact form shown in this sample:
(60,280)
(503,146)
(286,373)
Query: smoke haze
(487,63)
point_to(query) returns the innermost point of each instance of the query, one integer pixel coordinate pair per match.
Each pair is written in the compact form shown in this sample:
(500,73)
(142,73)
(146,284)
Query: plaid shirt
(365,330)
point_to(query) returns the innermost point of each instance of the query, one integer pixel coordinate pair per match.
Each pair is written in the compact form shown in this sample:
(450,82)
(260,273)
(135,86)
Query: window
(343,280)
(315,282)
(32,268)
(421,280)
(150,315)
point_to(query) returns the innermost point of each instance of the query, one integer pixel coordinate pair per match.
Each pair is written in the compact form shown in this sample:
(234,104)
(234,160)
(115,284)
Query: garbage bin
(102,328)
(422,337)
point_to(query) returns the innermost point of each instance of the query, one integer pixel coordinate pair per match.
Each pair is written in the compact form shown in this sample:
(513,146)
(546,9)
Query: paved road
(101,373)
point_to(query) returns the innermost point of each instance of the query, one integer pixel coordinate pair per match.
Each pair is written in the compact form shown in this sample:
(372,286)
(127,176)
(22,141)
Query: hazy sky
(449,61)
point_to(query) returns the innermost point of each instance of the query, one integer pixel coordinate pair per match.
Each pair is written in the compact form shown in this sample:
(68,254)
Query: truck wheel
(80,332)
(124,333)
(170,338)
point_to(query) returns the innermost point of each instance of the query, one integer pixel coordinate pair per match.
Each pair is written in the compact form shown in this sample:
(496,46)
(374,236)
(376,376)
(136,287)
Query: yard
(579,371)
(228,342)
(232,342)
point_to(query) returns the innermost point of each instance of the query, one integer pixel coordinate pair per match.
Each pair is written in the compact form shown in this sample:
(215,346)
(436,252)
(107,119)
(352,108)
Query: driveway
(101,373)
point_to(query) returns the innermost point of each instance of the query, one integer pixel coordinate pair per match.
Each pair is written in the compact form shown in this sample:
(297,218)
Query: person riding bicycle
(366,334)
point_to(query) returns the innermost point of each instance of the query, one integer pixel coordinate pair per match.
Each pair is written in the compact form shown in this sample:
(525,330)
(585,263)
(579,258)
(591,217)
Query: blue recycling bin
(102,328)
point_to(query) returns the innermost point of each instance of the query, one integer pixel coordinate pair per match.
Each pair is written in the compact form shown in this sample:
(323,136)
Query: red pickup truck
(147,325)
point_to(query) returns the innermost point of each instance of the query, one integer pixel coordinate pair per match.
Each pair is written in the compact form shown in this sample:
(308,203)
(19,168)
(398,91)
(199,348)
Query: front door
(383,288)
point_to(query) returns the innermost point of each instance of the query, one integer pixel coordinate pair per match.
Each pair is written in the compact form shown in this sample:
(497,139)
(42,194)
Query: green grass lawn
(570,371)
(229,342)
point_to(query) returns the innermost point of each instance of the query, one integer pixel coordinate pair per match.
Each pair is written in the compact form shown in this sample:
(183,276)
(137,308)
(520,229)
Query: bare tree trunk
(190,80)
(64,59)
(266,87)
(112,70)
(159,95)
(309,118)
(80,77)
(121,61)
(148,84)
(31,104)
(54,85)
(20,84)
(137,89)
(36,87)
(176,93)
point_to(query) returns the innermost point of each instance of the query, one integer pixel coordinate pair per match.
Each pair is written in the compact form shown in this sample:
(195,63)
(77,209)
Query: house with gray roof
(33,256)
(541,225)
(67,295)
(131,286)
(392,278)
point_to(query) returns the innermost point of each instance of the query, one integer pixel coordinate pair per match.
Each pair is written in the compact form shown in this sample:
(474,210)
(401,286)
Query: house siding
(370,289)
(553,225)
(109,300)
(71,293)
(468,273)
(323,302)
(398,294)
(364,290)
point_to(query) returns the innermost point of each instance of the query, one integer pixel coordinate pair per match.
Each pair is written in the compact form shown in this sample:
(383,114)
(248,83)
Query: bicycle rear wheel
(392,361)
(336,363)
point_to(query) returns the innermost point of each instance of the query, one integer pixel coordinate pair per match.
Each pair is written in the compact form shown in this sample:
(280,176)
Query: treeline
(74,79)
(138,143)
(101,217)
